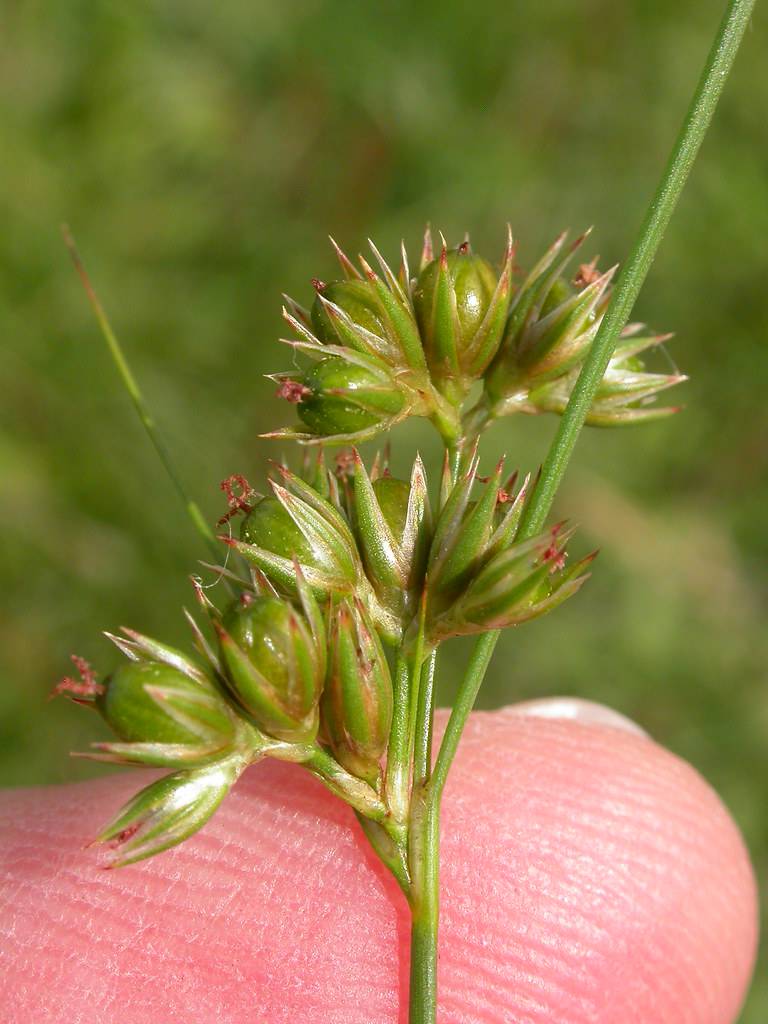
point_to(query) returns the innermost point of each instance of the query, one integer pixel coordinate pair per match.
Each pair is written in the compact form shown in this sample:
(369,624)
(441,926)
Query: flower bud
(274,665)
(342,400)
(461,308)
(357,701)
(168,811)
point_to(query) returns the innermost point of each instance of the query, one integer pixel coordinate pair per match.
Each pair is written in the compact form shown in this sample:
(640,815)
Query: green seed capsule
(274,666)
(473,282)
(270,526)
(461,307)
(355,298)
(298,525)
(357,701)
(148,702)
(393,527)
(342,398)
(393,496)
(168,811)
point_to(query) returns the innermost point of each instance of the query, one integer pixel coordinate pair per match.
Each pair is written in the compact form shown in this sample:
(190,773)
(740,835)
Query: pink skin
(589,877)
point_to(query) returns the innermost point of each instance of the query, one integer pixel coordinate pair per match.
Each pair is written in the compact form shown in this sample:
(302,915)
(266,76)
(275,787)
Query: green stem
(397,777)
(422,751)
(634,271)
(425,819)
(132,387)
(424,861)
(358,794)
(416,663)
(631,278)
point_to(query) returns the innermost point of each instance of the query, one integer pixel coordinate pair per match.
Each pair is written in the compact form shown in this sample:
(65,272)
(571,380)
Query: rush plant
(347,580)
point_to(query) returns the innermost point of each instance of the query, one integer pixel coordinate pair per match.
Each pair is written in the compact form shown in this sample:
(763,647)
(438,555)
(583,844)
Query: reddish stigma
(125,835)
(587,274)
(85,688)
(552,553)
(345,463)
(293,391)
(238,491)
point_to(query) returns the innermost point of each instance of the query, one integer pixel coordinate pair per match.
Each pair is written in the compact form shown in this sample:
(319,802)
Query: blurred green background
(202,154)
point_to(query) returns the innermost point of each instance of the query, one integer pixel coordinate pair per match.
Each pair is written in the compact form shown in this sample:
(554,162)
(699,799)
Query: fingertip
(614,853)
(588,875)
(577,710)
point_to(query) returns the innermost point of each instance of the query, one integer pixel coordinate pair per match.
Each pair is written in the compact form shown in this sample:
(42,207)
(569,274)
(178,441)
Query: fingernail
(573,709)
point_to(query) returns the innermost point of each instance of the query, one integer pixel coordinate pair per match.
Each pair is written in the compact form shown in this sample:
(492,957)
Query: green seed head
(393,496)
(274,666)
(169,811)
(473,282)
(340,398)
(461,307)
(355,298)
(270,526)
(297,526)
(149,702)
(392,524)
(357,701)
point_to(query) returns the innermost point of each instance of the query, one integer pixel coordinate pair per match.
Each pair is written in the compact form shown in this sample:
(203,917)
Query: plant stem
(425,815)
(132,387)
(358,794)
(422,753)
(416,663)
(633,274)
(630,280)
(396,780)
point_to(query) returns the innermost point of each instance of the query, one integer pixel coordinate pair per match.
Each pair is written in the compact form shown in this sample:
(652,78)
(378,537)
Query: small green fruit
(358,300)
(461,307)
(474,283)
(341,398)
(270,526)
(148,702)
(274,666)
(357,701)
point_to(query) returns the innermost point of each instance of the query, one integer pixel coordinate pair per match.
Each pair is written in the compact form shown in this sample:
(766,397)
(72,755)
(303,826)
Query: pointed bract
(551,326)
(357,700)
(168,811)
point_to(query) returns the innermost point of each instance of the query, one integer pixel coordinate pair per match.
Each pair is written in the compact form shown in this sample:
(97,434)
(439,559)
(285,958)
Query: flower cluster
(343,567)
(347,579)
(387,346)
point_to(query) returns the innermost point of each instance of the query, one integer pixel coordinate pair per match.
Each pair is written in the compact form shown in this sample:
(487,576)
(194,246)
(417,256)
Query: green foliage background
(201,155)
